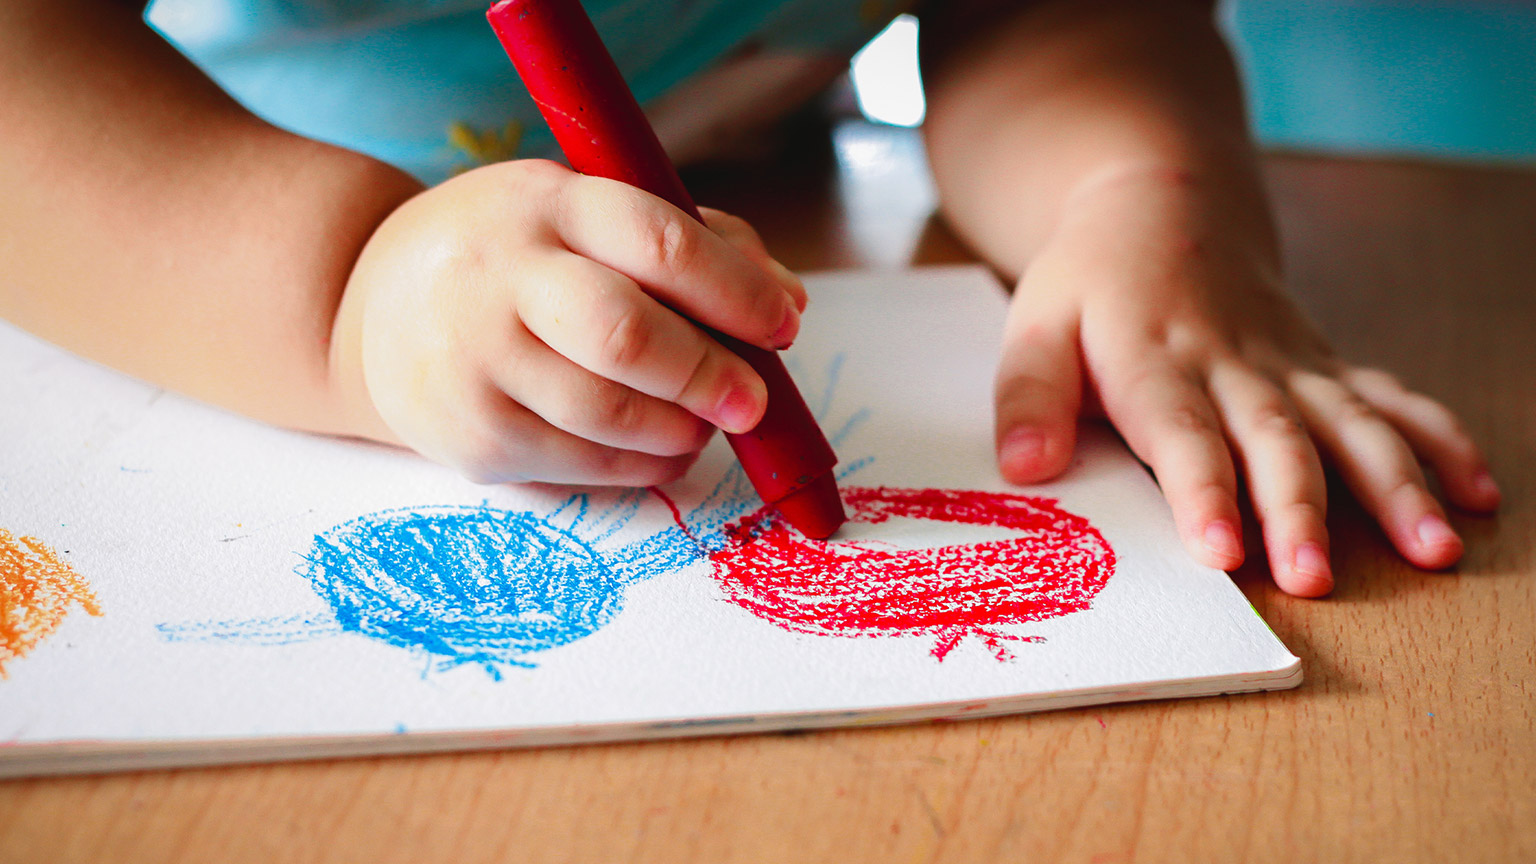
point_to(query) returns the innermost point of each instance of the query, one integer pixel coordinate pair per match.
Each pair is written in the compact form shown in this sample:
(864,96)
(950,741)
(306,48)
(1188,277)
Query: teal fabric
(1455,78)
(392,77)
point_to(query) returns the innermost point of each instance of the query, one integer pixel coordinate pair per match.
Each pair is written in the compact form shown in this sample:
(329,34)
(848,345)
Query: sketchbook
(181,586)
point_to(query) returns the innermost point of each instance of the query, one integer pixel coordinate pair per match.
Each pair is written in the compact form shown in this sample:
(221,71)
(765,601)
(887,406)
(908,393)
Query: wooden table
(1413,739)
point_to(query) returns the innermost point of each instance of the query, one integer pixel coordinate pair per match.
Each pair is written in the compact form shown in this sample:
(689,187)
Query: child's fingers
(1039,392)
(1379,468)
(575,400)
(1170,423)
(678,261)
(1434,434)
(1285,477)
(511,444)
(740,233)
(602,321)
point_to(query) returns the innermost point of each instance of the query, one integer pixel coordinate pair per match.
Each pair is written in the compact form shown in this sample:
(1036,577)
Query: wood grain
(1413,739)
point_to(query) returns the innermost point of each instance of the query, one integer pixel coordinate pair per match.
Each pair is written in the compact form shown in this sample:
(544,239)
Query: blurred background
(1440,79)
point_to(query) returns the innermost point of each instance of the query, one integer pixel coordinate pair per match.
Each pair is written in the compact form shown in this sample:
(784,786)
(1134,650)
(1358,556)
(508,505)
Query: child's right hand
(523,322)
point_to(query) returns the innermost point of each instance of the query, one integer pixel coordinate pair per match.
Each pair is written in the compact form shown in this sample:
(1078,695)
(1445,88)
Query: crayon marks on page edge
(37,590)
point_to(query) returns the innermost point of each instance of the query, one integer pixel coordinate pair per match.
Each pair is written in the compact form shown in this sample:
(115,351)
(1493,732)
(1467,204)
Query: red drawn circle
(1054,565)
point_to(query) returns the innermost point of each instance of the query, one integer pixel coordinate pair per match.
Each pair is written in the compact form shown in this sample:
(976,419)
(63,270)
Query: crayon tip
(815,509)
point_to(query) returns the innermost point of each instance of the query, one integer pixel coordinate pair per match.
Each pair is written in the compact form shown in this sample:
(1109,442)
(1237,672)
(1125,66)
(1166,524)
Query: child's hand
(517,323)
(1171,318)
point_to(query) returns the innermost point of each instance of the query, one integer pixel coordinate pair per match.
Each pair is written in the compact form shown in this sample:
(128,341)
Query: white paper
(245,576)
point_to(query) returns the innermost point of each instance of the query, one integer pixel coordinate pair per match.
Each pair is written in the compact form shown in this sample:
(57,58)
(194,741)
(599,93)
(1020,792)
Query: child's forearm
(154,225)
(1059,99)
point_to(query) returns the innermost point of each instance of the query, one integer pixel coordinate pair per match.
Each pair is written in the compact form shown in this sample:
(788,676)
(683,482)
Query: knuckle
(458,260)
(1441,416)
(1143,376)
(698,374)
(1402,484)
(625,340)
(1290,512)
(1304,512)
(676,243)
(1212,490)
(1460,436)
(542,168)
(602,464)
(1277,421)
(529,181)
(1354,410)
(1189,420)
(1461,444)
(621,410)
(1198,496)
(1036,389)
(1186,341)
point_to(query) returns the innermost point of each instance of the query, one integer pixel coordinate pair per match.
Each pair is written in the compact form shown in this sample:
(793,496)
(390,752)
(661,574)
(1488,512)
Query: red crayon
(603,133)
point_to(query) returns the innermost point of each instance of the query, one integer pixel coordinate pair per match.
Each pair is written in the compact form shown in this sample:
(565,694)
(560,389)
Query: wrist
(1216,208)
(352,404)
(353,411)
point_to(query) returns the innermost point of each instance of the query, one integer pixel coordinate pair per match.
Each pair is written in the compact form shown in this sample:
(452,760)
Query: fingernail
(1485,487)
(739,410)
(1311,561)
(789,326)
(1022,449)
(1221,538)
(1434,531)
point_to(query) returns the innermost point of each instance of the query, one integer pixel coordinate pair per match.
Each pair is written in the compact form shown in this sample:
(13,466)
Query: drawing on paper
(491,587)
(37,590)
(1053,564)
(467,585)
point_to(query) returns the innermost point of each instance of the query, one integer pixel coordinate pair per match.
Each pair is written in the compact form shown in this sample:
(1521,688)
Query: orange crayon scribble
(36,591)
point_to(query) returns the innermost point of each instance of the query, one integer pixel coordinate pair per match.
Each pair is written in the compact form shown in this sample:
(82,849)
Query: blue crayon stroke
(281,630)
(490,587)
(469,584)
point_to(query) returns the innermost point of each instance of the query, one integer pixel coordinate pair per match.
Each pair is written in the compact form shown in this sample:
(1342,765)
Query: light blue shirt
(424,85)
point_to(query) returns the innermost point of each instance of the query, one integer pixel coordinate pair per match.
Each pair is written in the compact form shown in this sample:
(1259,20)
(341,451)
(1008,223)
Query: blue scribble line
(833,374)
(489,587)
(278,630)
(849,427)
(854,467)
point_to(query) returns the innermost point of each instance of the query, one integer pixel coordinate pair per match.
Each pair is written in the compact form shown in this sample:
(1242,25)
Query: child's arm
(153,224)
(506,323)
(1100,149)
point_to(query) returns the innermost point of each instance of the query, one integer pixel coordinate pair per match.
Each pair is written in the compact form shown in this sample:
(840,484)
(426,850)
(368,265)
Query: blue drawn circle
(471,584)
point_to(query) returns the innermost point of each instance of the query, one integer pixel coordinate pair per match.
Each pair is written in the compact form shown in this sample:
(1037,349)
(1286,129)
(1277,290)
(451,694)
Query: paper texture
(267,594)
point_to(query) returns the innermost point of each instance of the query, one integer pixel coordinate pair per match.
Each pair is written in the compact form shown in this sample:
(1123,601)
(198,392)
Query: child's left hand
(1166,312)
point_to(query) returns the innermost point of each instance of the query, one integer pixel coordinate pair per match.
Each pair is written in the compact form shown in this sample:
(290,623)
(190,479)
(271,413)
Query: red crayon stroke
(1054,566)
(36,592)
